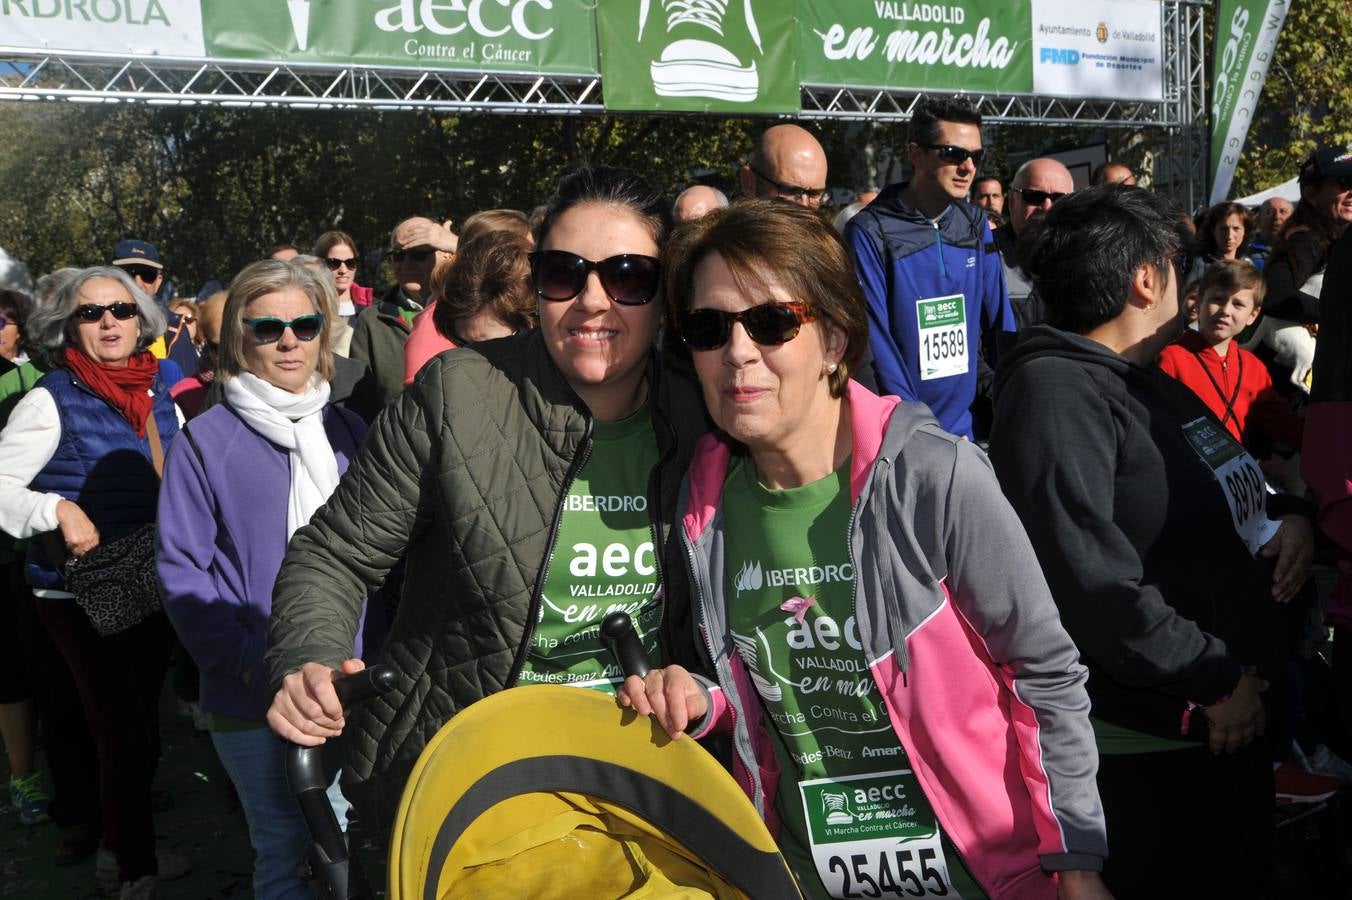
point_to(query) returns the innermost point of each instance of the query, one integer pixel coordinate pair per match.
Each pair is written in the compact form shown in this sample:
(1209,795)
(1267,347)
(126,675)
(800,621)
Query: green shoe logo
(698,61)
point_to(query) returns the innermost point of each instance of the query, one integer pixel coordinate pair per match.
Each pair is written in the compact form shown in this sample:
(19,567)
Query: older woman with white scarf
(237,483)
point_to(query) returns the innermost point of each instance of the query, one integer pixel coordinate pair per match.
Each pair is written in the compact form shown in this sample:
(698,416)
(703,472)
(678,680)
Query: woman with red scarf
(77,468)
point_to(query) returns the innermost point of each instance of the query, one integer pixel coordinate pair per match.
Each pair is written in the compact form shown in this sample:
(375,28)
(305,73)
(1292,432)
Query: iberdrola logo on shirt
(752,576)
(749,578)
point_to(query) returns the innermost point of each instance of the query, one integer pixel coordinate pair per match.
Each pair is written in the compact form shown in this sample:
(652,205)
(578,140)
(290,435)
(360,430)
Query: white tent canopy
(1287,189)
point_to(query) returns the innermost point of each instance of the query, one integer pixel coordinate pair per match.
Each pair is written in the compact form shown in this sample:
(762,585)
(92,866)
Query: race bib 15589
(943,336)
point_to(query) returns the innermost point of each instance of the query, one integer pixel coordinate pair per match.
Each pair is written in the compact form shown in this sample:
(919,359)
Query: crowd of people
(1044,468)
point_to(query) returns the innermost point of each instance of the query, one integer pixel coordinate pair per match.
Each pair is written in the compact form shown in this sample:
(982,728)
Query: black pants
(35,669)
(119,679)
(1188,824)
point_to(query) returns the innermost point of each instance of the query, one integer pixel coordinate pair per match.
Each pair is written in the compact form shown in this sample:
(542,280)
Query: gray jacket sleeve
(997,586)
(352,542)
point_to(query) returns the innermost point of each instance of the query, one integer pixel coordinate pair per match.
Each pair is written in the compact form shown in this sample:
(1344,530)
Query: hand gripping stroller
(556,792)
(338,875)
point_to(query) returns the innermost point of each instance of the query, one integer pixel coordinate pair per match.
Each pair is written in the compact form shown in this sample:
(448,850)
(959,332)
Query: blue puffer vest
(100,464)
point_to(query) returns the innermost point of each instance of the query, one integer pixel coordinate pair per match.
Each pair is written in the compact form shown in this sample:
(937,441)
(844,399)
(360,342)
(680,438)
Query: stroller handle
(336,875)
(617,631)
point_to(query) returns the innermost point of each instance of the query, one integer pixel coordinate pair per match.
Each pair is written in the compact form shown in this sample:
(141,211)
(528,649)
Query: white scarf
(294,422)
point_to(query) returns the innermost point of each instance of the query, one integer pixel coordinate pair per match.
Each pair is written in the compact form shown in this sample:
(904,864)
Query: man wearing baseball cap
(1301,253)
(141,261)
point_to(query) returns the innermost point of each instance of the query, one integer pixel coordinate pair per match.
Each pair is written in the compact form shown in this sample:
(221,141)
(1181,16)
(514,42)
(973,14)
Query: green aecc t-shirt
(856,822)
(603,561)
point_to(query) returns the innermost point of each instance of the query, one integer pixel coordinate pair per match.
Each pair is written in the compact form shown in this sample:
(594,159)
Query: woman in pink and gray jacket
(904,707)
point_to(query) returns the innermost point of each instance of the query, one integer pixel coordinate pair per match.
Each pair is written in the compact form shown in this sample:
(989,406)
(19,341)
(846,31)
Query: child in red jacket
(1230,380)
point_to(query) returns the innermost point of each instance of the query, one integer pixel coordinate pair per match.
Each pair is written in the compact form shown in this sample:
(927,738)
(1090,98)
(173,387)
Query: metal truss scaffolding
(26,75)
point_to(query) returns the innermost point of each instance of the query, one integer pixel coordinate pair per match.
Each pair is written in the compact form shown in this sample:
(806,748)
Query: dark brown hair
(330,239)
(16,306)
(764,240)
(1206,228)
(491,271)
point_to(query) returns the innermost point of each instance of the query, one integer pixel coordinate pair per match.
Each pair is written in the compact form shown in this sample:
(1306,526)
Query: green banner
(1246,38)
(737,56)
(969,45)
(553,36)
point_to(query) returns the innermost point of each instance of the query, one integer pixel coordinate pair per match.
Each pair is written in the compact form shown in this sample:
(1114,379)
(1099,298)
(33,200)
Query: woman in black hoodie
(1152,526)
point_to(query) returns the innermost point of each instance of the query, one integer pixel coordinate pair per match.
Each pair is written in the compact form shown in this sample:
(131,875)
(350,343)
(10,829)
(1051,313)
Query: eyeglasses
(269,329)
(1037,198)
(767,324)
(628,278)
(141,273)
(398,256)
(956,155)
(334,263)
(4,323)
(811,196)
(93,312)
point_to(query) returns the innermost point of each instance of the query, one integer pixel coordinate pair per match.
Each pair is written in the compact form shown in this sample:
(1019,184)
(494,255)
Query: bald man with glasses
(1037,185)
(788,163)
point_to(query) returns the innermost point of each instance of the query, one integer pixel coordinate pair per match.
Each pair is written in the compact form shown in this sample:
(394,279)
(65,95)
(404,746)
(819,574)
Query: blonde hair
(269,276)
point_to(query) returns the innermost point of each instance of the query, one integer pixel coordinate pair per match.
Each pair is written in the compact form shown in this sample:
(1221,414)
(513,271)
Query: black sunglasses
(334,263)
(956,155)
(398,255)
(1037,198)
(93,312)
(813,196)
(141,273)
(269,329)
(629,278)
(767,324)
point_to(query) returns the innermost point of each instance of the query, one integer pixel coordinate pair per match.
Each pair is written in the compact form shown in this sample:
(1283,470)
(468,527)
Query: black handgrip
(337,875)
(364,685)
(617,631)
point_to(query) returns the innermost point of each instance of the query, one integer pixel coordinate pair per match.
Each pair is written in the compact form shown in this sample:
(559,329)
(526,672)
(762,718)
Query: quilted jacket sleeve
(381,504)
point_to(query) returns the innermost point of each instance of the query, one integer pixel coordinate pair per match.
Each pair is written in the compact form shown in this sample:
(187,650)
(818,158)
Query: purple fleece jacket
(222,536)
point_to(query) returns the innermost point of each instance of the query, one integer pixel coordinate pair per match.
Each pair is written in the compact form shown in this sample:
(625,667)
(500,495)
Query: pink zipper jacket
(982,683)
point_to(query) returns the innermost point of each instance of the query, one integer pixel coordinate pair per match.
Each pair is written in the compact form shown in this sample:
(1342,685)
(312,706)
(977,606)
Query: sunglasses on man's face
(628,278)
(956,156)
(146,274)
(269,329)
(334,263)
(93,312)
(398,256)
(1037,198)
(767,324)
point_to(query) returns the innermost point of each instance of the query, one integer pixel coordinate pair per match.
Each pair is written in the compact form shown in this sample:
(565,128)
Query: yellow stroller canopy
(555,792)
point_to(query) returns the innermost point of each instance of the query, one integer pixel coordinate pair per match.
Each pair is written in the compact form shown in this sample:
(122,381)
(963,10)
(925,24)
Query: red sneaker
(1295,785)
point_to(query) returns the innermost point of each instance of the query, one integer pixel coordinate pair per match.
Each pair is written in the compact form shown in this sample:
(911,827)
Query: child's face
(1190,303)
(1225,315)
